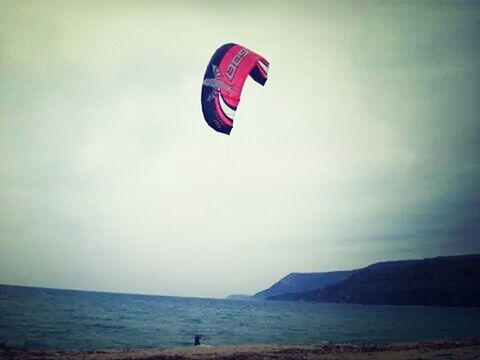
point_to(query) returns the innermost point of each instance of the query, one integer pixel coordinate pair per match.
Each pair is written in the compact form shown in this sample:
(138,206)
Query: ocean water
(48,318)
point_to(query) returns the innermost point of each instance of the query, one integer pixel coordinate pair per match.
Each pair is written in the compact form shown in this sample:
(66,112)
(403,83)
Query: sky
(363,146)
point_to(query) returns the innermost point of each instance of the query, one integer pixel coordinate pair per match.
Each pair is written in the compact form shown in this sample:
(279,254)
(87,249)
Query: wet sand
(462,349)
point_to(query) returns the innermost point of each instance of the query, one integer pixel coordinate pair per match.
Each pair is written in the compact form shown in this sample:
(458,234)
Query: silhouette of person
(197,339)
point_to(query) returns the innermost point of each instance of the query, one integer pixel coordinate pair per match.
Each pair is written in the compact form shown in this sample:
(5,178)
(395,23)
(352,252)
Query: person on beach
(197,339)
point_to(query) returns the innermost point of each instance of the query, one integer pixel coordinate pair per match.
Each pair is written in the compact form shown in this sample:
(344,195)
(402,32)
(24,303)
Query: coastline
(448,349)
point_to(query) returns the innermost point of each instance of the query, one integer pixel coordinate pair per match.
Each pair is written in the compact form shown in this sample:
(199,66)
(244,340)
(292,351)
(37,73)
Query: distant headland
(439,281)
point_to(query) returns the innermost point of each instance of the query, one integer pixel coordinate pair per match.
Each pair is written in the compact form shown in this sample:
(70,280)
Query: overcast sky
(364,145)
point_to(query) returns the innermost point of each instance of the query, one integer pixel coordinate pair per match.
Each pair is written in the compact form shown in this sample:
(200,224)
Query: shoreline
(448,349)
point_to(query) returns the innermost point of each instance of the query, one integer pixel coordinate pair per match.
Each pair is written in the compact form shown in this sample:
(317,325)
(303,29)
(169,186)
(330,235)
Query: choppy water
(48,318)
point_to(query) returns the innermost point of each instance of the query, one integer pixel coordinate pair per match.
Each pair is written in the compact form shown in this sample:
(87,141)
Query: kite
(223,82)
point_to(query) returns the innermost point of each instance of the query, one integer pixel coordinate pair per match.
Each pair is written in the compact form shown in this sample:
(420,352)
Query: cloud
(363,141)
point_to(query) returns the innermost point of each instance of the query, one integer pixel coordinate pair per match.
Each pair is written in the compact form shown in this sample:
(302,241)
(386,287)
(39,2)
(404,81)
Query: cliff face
(443,281)
(302,282)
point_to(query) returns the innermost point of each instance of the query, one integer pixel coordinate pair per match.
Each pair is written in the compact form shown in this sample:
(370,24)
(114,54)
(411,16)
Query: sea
(66,319)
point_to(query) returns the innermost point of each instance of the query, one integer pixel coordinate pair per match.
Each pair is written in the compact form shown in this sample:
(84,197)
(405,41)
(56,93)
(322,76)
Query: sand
(464,349)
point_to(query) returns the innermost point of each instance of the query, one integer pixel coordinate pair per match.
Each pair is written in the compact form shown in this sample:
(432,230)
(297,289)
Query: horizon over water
(114,292)
(77,319)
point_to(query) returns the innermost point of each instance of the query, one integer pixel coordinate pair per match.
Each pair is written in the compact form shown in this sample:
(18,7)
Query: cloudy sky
(364,145)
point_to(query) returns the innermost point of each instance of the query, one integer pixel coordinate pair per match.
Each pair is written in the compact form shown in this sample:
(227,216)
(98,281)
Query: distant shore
(464,349)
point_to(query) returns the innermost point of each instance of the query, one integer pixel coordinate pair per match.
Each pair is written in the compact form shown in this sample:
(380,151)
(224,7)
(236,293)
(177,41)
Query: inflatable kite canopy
(223,83)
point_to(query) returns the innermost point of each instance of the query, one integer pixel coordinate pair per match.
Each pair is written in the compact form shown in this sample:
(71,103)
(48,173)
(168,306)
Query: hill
(441,281)
(303,282)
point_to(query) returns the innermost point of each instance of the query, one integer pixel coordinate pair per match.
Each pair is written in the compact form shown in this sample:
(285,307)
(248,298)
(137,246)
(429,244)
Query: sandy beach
(464,349)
